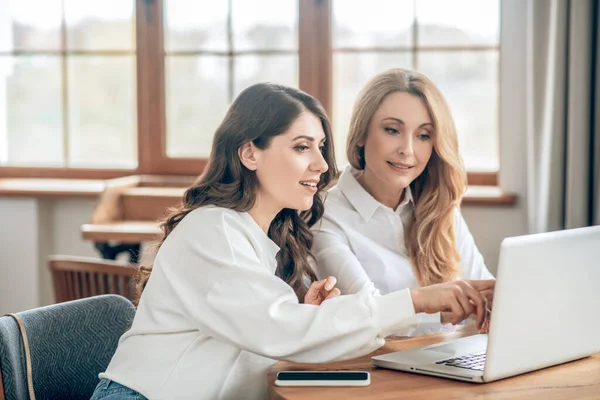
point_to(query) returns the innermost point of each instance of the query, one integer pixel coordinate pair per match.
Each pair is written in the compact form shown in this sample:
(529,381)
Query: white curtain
(563,114)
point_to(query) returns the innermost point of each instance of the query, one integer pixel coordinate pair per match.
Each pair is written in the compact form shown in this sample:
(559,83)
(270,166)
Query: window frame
(315,57)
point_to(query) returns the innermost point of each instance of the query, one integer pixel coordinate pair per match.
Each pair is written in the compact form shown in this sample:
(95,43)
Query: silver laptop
(545,312)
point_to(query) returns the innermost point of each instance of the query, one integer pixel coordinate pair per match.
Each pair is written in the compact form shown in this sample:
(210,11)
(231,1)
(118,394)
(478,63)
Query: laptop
(545,313)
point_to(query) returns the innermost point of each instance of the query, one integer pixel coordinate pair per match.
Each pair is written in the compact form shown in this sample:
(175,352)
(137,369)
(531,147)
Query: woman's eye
(391,131)
(302,148)
(322,149)
(424,136)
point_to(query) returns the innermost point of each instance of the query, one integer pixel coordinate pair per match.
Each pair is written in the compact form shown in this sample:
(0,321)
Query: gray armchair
(70,344)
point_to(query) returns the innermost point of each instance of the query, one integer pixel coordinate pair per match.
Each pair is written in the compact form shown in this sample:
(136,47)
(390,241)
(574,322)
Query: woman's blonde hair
(430,237)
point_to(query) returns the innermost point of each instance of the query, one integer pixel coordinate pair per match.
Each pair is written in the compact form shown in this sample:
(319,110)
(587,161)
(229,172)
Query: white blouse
(214,317)
(361,242)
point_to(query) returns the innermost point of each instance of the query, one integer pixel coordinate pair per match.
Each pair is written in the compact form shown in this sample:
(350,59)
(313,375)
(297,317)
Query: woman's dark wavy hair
(258,114)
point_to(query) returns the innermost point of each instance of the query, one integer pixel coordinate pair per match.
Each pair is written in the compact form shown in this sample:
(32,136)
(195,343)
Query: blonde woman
(392,221)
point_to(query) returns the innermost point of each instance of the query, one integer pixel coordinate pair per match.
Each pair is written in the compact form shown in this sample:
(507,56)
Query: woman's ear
(247,153)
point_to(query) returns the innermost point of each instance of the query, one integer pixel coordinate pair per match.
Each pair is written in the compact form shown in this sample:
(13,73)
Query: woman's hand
(446,316)
(459,299)
(322,290)
(488,295)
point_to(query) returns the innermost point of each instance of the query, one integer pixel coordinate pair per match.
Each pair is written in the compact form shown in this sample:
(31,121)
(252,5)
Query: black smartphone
(323,378)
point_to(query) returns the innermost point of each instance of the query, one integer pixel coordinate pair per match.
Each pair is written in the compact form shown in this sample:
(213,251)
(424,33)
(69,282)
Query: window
(68,84)
(458,50)
(213,50)
(119,87)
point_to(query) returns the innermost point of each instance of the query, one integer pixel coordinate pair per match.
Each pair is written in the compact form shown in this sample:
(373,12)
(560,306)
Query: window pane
(196,102)
(356,24)
(100,25)
(195,25)
(443,22)
(469,81)
(351,71)
(253,69)
(254,29)
(102,111)
(31,129)
(24,29)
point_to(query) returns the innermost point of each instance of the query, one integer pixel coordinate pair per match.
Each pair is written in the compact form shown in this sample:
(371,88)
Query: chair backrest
(79,277)
(70,344)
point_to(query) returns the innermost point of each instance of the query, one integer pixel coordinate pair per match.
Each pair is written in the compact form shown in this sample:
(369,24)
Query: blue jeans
(110,390)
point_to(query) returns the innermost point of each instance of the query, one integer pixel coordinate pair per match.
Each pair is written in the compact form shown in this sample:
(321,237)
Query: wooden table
(129,210)
(575,380)
(122,231)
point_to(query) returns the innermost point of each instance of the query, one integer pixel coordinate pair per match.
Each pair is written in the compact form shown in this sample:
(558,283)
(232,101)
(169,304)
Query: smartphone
(323,378)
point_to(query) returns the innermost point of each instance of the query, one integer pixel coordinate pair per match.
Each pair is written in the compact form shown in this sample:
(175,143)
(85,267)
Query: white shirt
(214,317)
(361,242)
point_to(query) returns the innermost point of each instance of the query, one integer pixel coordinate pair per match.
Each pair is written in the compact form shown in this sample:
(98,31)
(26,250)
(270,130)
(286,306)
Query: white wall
(32,229)
(19,278)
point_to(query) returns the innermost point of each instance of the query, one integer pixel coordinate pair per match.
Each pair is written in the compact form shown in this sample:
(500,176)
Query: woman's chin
(303,205)
(400,182)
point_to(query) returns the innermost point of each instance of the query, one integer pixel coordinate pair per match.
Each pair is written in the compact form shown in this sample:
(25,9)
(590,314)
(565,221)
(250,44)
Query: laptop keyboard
(475,361)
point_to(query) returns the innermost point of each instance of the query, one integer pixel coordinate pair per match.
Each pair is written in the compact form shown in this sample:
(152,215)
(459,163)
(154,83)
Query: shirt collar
(361,200)
(408,198)
(269,246)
